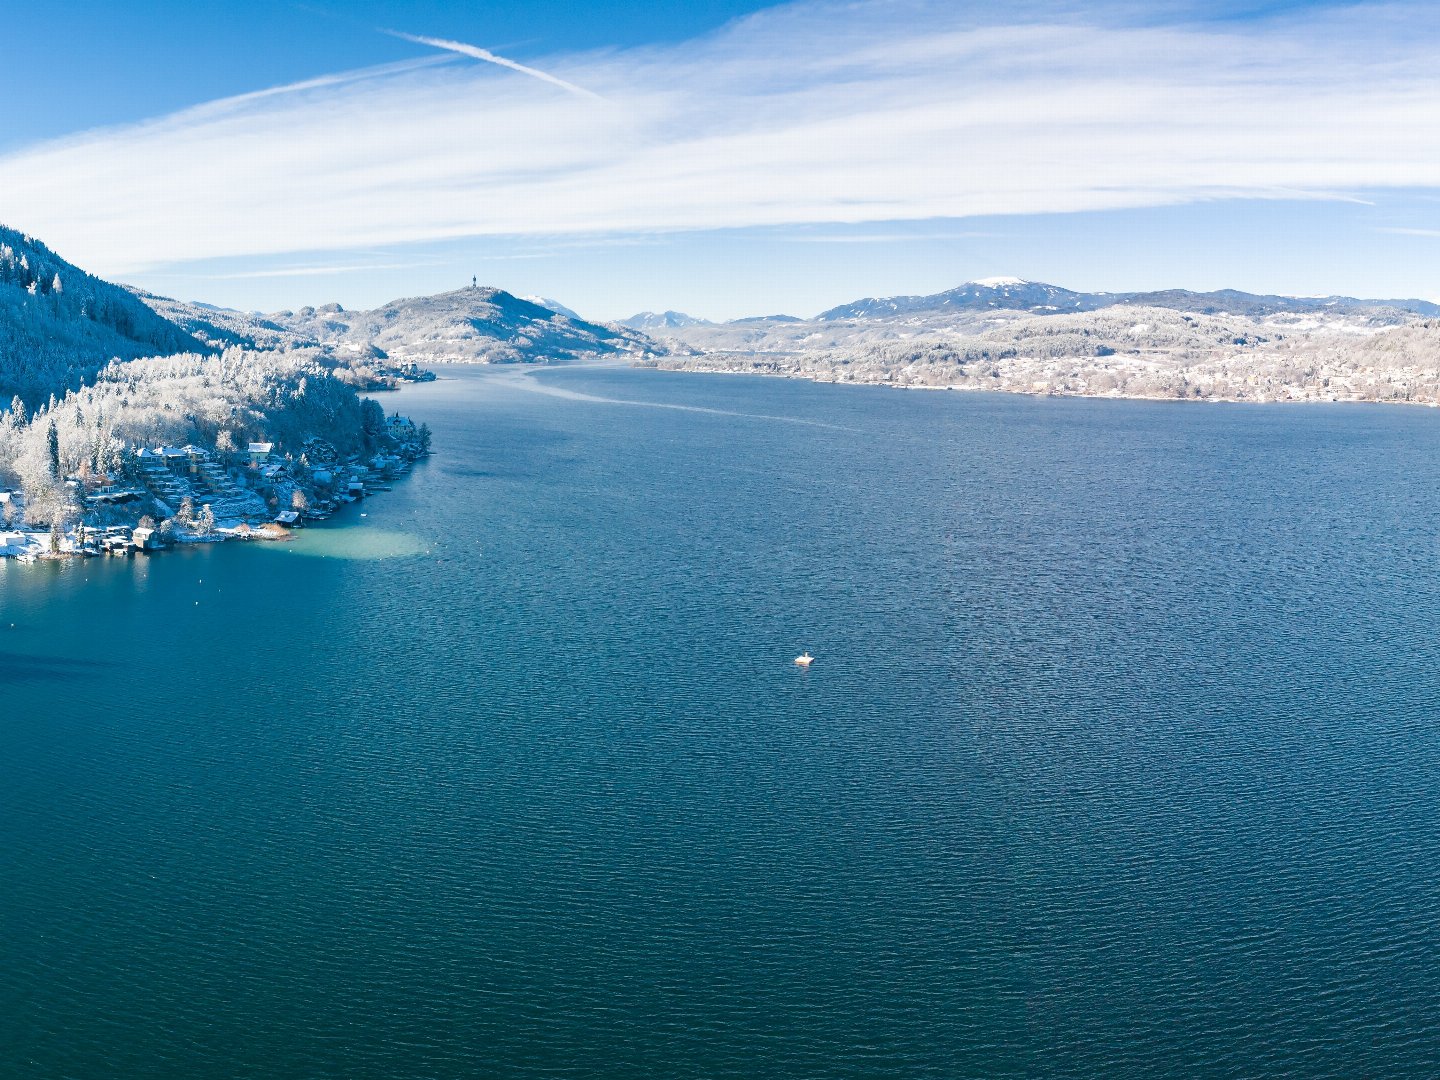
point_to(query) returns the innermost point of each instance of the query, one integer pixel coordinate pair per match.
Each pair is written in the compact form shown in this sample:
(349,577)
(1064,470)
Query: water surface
(1119,756)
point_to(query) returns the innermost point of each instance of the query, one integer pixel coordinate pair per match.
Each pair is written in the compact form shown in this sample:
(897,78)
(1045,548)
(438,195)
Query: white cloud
(809,114)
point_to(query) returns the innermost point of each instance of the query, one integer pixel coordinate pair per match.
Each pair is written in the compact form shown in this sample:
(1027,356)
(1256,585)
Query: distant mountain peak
(555,306)
(999,293)
(663,320)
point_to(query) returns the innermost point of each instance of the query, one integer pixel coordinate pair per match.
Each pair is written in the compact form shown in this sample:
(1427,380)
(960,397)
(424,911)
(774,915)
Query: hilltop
(467,326)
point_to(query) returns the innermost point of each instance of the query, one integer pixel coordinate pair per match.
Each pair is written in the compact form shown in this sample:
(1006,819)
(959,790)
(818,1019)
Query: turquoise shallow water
(1119,757)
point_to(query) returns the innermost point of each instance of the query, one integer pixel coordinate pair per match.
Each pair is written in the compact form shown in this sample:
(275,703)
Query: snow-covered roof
(261,447)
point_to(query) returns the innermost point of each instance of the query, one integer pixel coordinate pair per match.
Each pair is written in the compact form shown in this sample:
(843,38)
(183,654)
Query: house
(287,517)
(400,428)
(146,539)
(13,543)
(114,498)
(259,453)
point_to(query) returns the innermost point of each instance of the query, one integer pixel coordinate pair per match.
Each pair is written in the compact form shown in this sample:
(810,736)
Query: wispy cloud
(811,114)
(883,238)
(1434,233)
(477,53)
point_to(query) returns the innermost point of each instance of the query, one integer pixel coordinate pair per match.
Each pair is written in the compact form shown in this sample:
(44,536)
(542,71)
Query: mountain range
(1017,294)
(1040,298)
(59,325)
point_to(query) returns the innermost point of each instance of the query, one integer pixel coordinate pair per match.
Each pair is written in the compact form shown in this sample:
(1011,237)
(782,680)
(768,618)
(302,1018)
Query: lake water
(1120,754)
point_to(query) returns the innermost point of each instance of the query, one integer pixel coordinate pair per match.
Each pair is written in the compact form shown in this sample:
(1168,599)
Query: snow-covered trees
(59,325)
(211,401)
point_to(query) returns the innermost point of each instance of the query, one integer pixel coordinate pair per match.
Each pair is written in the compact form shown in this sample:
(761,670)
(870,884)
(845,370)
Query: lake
(1119,756)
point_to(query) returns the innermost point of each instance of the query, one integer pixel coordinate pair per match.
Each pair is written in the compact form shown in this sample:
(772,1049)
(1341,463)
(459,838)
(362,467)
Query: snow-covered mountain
(1004,293)
(662,320)
(220,327)
(554,305)
(59,325)
(1234,302)
(1017,294)
(467,326)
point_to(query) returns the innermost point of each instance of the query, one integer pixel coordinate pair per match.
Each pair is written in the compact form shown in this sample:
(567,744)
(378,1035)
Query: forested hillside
(59,325)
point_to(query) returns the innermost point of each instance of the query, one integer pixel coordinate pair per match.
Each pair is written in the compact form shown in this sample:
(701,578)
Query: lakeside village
(167,495)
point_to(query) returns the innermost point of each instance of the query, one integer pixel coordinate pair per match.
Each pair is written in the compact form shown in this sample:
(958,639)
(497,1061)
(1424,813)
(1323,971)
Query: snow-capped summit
(553,305)
(1001,293)
(663,320)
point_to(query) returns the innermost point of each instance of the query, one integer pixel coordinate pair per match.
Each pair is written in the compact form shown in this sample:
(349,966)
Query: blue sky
(725,158)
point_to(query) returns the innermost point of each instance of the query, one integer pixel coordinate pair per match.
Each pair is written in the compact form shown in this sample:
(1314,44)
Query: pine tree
(53,439)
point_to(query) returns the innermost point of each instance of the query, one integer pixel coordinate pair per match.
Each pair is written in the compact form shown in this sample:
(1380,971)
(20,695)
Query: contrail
(490,58)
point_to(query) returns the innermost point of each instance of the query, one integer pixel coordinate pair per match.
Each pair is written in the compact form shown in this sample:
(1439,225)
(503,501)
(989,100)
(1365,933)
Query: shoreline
(1205,399)
(146,536)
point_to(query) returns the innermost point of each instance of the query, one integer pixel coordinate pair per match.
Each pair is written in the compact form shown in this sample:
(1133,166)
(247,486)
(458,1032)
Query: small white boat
(804,659)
